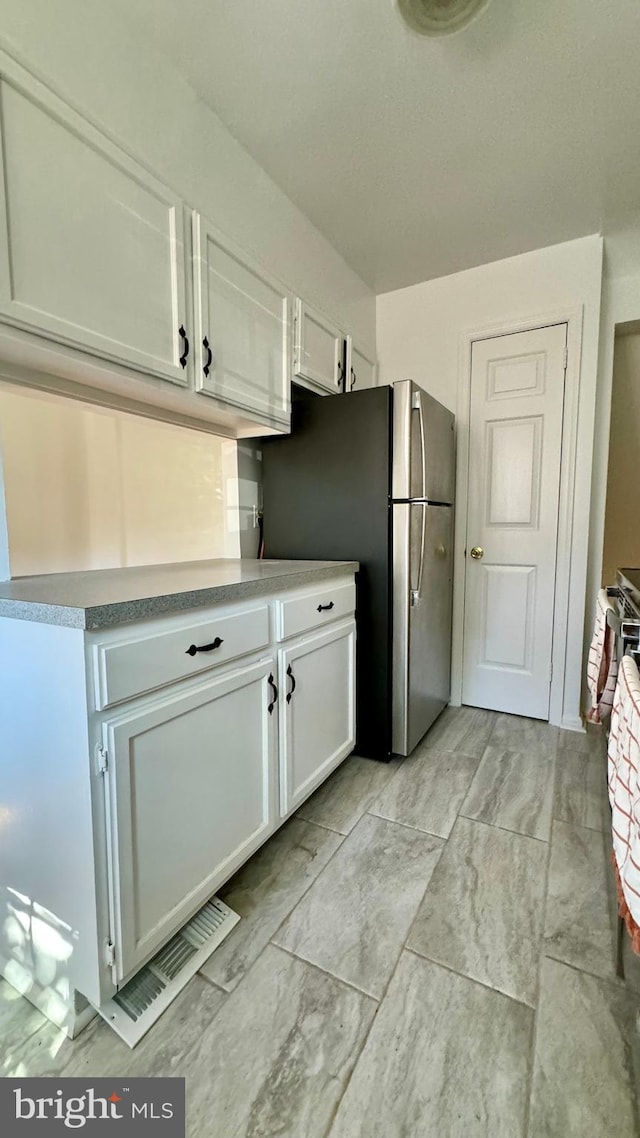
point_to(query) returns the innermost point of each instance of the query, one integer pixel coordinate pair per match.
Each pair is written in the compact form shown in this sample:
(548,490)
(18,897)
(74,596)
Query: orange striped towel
(602,664)
(624,791)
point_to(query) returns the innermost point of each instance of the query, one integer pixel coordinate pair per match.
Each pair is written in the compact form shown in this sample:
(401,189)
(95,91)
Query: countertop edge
(125,612)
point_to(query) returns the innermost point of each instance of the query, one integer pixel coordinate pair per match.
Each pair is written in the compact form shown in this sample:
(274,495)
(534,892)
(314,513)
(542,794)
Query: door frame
(568,616)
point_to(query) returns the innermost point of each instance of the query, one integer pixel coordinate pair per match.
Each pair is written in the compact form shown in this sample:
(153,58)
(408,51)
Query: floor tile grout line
(465,976)
(311,883)
(328,829)
(343,837)
(503,829)
(615,981)
(531,1066)
(580,825)
(403,949)
(407,826)
(318,968)
(443,842)
(211,983)
(323,825)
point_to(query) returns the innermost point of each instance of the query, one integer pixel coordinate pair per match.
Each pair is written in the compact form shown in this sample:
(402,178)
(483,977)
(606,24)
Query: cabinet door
(192,793)
(361,370)
(319,350)
(317,710)
(243,352)
(91,244)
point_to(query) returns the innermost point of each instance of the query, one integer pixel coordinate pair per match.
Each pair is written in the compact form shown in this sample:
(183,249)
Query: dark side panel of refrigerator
(326,497)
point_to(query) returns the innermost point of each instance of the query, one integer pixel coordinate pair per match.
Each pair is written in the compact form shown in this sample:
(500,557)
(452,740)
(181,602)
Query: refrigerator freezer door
(422,591)
(423,446)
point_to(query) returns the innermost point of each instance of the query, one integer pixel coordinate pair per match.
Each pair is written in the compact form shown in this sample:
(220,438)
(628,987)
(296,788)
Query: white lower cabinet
(179,743)
(192,788)
(317,719)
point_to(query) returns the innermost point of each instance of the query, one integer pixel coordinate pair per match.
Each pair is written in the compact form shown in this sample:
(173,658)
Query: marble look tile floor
(426,951)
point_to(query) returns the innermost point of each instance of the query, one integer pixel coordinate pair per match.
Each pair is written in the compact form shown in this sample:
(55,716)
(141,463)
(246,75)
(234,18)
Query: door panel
(517,398)
(514,453)
(318,350)
(244,317)
(94,246)
(191,795)
(423,573)
(362,370)
(317,685)
(507,615)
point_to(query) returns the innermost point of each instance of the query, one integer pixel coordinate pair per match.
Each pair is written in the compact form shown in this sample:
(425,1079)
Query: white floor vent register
(137,1006)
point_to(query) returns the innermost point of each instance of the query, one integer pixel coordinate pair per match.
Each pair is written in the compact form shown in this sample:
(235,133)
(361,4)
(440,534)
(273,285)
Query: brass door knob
(477,553)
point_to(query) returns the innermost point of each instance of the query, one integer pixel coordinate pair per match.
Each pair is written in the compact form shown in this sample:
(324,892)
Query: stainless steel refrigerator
(370,477)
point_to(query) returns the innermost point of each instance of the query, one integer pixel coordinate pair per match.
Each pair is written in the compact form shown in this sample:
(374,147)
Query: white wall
(420,335)
(88,488)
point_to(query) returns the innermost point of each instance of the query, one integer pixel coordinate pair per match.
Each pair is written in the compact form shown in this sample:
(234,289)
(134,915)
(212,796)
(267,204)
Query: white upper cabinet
(91,245)
(361,369)
(319,350)
(243,353)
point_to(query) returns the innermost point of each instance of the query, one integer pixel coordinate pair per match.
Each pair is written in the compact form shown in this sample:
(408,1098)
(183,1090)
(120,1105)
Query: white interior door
(517,396)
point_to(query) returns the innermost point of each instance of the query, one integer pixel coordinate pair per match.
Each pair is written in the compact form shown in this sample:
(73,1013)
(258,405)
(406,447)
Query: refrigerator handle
(417,406)
(416,593)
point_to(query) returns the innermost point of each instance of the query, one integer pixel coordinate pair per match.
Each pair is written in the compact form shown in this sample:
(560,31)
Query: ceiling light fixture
(439,17)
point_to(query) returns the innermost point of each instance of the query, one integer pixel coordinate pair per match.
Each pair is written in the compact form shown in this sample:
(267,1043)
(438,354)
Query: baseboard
(573,723)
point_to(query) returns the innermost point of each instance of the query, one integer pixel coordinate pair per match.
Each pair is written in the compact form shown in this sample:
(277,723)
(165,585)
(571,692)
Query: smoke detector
(439,17)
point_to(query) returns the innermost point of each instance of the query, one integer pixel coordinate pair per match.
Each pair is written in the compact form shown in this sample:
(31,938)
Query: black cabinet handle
(340,373)
(185,353)
(275,693)
(354,379)
(207,366)
(325,608)
(293,683)
(193,648)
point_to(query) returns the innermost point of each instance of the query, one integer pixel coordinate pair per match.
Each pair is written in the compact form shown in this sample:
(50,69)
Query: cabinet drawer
(127,668)
(299,614)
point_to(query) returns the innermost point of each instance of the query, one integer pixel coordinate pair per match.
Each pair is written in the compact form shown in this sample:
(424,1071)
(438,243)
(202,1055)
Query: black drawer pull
(193,648)
(293,683)
(207,347)
(185,353)
(325,608)
(275,693)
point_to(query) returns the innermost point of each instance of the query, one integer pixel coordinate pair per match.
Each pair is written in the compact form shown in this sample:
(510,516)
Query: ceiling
(418,157)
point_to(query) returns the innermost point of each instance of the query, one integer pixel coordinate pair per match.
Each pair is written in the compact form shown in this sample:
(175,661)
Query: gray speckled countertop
(102,597)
